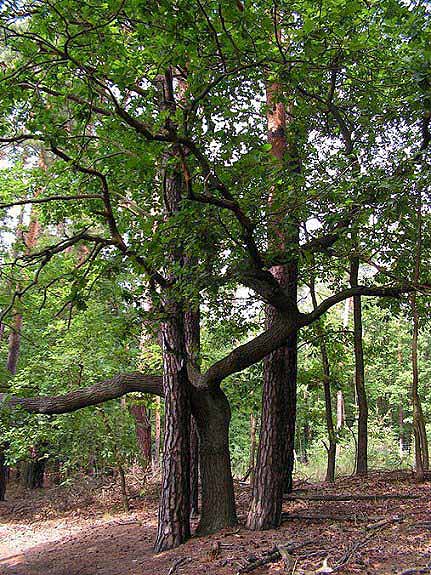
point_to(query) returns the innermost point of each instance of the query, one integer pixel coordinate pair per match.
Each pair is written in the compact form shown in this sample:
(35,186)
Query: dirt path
(47,534)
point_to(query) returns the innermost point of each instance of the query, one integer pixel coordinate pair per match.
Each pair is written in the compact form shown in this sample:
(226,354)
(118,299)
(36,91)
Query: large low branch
(238,359)
(92,395)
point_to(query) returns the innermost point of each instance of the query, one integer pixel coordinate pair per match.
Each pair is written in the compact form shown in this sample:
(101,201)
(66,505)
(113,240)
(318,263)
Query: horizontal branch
(52,199)
(93,395)
(376,291)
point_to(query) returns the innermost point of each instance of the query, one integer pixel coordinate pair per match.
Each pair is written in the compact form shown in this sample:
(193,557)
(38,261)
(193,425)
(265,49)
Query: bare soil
(83,531)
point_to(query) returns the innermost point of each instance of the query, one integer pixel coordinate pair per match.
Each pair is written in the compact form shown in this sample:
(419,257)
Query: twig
(175,566)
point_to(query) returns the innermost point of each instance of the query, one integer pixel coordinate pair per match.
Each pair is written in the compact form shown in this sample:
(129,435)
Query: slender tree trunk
(401,430)
(361,394)
(14,344)
(340,410)
(212,415)
(275,460)
(33,473)
(252,461)
(157,429)
(3,475)
(326,372)
(421,442)
(143,431)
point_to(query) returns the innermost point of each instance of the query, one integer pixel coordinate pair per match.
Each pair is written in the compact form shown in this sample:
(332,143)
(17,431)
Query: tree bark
(174,508)
(280,367)
(326,372)
(361,394)
(252,461)
(3,475)
(33,473)
(194,469)
(14,344)
(193,345)
(340,410)
(157,429)
(421,442)
(212,414)
(143,431)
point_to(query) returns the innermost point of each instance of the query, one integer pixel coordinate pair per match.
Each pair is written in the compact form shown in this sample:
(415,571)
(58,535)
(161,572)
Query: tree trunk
(340,410)
(157,429)
(275,460)
(361,394)
(211,411)
(174,508)
(193,344)
(401,430)
(14,344)
(421,442)
(271,466)
(33,473)
(332,438)
(143,431)
(194,469)
(3,475)
(252,460)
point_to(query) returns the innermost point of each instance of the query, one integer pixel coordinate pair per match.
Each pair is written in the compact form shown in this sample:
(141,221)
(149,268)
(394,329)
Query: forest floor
(82,531)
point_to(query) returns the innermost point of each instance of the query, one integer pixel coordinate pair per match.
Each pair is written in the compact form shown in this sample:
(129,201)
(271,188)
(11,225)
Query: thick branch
(92,395)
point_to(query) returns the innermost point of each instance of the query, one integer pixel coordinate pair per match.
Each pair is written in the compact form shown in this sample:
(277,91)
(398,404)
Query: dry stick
(362,542)
(276,554)
(323,517)
(350,497)
(175,566)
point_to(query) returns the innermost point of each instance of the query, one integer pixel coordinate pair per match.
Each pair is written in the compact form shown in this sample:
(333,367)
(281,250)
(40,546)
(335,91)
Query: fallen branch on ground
(326,517)
(350,497)
(416,571)
(277,553)
(175,566)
